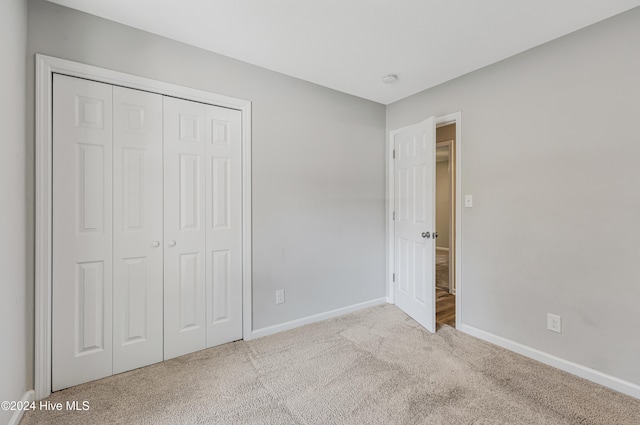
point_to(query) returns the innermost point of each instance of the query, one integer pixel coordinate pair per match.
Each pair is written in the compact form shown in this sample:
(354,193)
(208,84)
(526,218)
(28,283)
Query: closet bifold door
(82,231)
(184,227)
(137,229)
(224,225)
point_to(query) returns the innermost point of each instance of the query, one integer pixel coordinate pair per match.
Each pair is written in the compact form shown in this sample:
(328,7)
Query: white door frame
(46,66)
(456,118)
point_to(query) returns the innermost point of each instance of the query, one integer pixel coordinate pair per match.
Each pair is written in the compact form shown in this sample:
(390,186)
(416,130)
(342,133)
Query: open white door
(414,244)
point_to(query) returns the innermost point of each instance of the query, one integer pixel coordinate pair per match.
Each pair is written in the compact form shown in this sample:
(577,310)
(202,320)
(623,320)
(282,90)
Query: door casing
(46,66)
(456,118)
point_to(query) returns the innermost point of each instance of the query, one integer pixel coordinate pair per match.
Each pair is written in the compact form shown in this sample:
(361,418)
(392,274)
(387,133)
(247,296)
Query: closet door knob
(172,244)
(155,244)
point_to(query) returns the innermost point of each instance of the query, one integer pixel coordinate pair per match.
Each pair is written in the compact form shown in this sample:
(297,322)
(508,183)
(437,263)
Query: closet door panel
(184,227)
(82,232)
(137,229)
(223,225)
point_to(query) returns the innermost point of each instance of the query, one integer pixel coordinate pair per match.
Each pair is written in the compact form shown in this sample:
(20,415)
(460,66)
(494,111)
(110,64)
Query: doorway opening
(411,221)
(445,207)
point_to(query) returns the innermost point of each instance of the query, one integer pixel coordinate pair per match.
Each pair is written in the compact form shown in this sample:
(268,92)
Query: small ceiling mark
(390,78)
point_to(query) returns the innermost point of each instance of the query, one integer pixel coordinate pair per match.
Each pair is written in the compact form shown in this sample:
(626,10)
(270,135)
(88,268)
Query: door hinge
(394,154)
(394,215)
(394,277)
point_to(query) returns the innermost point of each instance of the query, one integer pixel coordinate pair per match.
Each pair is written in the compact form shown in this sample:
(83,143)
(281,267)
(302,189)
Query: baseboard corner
(27,397)
(593,375)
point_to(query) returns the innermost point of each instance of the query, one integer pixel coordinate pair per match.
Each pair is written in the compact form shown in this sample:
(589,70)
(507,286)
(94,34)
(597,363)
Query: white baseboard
(587,373)
(439,248)
(17,415)
(270,330)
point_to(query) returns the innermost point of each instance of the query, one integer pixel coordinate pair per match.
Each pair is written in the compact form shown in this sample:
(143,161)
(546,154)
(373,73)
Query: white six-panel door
(137,229)
(414,180)
(184,227)
(82,231)
(224,225)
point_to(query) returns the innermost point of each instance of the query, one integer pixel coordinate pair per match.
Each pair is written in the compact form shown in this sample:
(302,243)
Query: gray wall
(15,377)
(318,161)
(555,225)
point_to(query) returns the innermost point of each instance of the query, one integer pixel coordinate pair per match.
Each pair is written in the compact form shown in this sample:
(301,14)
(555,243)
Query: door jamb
(46,66)
(456,118)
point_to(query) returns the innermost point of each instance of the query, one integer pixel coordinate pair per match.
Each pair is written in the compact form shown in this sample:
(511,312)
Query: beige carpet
(376,366)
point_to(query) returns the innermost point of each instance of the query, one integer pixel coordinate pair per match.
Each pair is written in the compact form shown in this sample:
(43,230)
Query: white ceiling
(349,45)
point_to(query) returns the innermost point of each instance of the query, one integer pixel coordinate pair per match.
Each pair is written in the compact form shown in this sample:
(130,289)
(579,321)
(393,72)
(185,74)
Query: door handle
(155,244)
(172,244)
(435,235)
(426,235)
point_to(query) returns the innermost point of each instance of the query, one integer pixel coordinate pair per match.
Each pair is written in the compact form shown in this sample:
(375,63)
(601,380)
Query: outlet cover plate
(280,296)
(554,323)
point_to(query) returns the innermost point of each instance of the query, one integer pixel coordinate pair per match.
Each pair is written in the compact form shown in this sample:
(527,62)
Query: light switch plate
(468,201)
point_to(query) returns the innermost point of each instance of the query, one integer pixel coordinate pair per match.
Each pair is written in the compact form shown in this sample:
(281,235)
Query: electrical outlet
(468,201)
(554,323)
(280,296)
